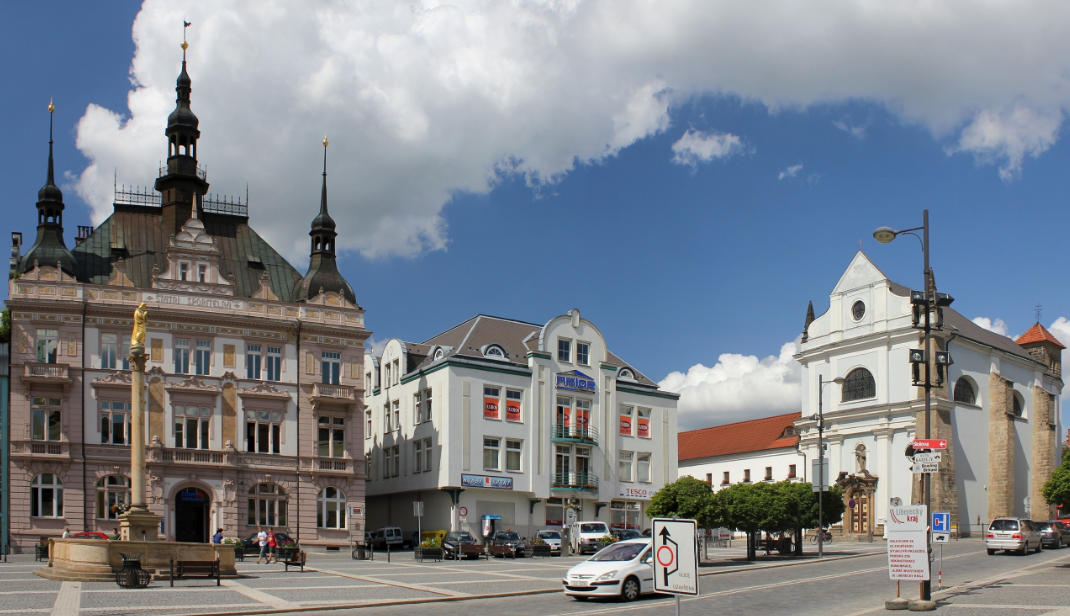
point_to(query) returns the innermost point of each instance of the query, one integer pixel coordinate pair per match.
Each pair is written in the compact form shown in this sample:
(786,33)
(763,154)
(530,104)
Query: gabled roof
(966,328)
(1037,333)
(141,240)
(741,437)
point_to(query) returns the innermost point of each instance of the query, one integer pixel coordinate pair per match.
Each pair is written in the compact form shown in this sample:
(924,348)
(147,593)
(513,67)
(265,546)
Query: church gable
(860,273)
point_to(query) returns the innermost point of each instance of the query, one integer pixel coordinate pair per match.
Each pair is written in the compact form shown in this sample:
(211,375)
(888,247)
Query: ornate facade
(254,379)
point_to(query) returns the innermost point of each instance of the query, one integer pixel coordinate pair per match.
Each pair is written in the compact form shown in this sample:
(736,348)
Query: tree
(802,508)
(752,508)
(5,325)
(687,498)
(1057,488)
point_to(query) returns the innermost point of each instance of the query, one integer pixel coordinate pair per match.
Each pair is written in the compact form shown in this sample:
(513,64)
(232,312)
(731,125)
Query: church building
(997,406)
(254,376)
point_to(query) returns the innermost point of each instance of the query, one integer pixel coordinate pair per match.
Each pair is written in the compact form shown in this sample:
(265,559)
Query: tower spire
(49,248)
(323,191)
(323,275)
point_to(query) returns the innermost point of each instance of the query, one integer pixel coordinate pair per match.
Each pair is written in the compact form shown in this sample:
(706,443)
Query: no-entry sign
(675,556)
(930,443)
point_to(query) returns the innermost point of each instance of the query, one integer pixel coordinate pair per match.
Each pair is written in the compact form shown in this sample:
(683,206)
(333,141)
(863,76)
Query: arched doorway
(191,515)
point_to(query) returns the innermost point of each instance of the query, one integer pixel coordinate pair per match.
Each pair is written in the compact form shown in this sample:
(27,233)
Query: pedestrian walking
(262,539)
(273,547)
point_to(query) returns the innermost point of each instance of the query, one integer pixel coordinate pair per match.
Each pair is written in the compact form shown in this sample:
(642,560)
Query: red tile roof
(1037,333)
(741,437)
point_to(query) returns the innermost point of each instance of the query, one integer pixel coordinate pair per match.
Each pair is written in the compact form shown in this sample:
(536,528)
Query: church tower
(323,273)
(182,181)
(49,248)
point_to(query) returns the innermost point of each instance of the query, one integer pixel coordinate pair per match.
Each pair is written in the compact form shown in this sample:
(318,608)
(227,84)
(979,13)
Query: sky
(687,174)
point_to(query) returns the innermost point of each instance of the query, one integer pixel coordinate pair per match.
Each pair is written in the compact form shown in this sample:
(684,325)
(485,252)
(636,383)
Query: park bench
(190,568)
(297,559)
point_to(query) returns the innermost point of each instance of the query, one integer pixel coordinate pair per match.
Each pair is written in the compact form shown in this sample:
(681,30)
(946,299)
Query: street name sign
(675,556)
(930,443)
(908,551)
(927,458)
(925,468)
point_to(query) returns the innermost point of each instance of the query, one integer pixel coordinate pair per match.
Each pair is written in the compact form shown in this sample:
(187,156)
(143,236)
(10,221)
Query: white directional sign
(675,556)
(926,463)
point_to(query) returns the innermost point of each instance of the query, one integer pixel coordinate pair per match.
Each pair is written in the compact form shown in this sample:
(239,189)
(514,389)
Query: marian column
(138,523)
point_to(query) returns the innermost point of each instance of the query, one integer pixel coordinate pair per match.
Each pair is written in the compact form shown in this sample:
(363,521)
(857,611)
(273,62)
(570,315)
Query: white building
(763,449)
(998,408)
(529,425)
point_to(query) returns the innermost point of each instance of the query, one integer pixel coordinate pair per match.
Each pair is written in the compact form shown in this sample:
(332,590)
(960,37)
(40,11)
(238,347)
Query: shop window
(47,346)
(331,437)
(113,496)
(331,509)
(46,496)
(46,418)
(263,431)
(114,422)
(555,512)
(191,427)
(267,505)
(625,515)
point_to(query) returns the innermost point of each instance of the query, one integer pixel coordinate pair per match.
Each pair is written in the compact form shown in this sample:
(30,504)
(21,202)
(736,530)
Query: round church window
(858,310)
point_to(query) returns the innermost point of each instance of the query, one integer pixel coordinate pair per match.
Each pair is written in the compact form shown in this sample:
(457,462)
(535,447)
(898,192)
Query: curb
(785,564)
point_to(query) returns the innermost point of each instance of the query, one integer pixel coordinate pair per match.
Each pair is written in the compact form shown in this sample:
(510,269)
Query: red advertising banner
(490,408)
(512,410)
(626,425)
(644,427)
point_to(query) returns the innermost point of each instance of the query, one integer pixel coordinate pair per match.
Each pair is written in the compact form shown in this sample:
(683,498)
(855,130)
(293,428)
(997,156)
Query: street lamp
(929,299)
(821,382)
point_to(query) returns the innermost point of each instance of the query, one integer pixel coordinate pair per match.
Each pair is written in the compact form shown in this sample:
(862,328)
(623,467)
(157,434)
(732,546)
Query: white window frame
(267,507)
(273,421)
(625,466)
(585,358)
(180,351)
(333,425)
(642,461)
(37,493)
(110,494)
(273,364)
(254,358)
(395,409)
(109,350)
(513,394)
(326,504)
(428,449)
(181,423)
(514,447)
(109,412)
(41,411)
(492,445)
(568,350)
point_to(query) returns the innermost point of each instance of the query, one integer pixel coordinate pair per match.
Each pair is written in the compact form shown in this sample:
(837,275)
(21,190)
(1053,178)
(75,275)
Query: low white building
(752,451)
(531,426)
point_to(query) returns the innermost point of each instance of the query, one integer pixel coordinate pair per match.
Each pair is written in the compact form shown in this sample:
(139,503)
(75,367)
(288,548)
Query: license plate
(581,584)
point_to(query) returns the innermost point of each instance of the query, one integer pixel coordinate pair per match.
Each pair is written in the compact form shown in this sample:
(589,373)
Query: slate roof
(141,239)
(966,328)
(741,437)
(1037,333)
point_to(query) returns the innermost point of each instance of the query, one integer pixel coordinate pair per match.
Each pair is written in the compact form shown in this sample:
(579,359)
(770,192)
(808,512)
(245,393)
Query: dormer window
(439,354)
(789,432)
(626,375)
(494,351)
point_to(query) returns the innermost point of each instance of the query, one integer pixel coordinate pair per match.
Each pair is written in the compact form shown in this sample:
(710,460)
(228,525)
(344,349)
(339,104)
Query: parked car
(552,539)
(451,544)
(1013,535)
(511,540)
(624,535)
(647,532)
(91,534)
(388,535)
(624,569)
(1065,522)
(586,537)
(250,545)
(1055,535)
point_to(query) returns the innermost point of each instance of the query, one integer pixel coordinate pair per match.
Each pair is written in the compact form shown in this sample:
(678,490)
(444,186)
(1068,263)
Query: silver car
(1017,535)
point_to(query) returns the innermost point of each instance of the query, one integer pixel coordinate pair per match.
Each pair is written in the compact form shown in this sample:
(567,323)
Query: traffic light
(917,359)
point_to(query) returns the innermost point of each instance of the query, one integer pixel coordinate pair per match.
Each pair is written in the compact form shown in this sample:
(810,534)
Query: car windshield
(592,528)
(618,552)
(551,534)
(507,537)
(628,534)
(459,537)
(1042,526)
(1004,525)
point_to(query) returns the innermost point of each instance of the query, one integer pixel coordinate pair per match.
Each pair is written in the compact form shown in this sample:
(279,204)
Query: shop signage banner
(644,427)
(490,408)
(626,425)
(575,381)
(630,492)
(486,481)
(512,410)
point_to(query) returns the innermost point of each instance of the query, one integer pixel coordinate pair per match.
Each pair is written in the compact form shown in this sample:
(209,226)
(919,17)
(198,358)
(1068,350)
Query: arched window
(964,391)
(267,505)
(331,508)
(1017,408)
(859,385)
(113,496)
(46,496)
(493,351)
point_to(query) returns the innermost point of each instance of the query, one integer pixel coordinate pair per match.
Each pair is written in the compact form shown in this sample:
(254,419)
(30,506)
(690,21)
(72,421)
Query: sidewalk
(1038,589)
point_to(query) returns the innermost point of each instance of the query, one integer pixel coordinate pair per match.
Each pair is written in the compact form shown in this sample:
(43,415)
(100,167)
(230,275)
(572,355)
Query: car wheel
(1040,547)
(630,590)
(1024,550)
(991,551)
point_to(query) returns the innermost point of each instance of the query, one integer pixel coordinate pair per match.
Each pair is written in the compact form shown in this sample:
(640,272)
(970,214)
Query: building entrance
(191,515)
(860,516)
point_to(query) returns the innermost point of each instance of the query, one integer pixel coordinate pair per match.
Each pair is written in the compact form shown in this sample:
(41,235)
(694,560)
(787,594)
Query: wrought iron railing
(228,206)
(185,166)
(136,195)
(574,481)
(574,433)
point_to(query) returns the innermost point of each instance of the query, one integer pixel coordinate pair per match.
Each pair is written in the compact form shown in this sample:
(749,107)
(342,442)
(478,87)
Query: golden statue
(141,317)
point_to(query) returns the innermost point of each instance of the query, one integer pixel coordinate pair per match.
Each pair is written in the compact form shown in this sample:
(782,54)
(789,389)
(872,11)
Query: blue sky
(677,264)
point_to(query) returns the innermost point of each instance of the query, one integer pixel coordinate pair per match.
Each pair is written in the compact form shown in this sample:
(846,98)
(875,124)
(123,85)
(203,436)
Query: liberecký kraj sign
(907,531)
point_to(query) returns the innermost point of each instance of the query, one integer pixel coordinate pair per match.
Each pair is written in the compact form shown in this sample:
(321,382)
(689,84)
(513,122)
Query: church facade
(254,379)
(998,407)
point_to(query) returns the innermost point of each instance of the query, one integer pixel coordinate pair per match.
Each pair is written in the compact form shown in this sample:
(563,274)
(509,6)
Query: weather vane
(185,45)
(860,244)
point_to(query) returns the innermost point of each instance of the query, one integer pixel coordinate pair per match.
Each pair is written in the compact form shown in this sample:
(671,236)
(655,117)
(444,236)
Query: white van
(388,535)
(583,537)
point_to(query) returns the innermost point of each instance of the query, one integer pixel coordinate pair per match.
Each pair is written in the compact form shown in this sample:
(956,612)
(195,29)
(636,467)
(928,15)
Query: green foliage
(431,542)
(688,498)
(5,325)
(607,539)
(1057,488)
(754,507)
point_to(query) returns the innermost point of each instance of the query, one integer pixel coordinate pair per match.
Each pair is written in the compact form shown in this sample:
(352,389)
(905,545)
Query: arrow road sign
(675,557)
(932,443)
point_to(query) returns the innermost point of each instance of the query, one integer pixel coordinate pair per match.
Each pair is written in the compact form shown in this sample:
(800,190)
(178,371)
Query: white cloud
(994,136)
(790,172)
(423,100)
(855,130)
(695,146)
(997,327)
(738,387)
(1061,330)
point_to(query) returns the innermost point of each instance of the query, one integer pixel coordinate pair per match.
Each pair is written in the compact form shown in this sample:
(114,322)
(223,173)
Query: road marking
(257,595)
(68,600)
(146,608)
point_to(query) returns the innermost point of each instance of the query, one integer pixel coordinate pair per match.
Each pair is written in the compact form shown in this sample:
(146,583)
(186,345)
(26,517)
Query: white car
(586,537)
(624,569)
(552,539)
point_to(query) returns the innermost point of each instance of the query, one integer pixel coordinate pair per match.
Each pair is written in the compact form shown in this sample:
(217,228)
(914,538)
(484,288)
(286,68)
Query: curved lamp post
(821,382)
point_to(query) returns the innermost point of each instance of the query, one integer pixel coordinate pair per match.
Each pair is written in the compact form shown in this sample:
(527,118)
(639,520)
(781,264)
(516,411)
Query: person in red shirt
(272,545)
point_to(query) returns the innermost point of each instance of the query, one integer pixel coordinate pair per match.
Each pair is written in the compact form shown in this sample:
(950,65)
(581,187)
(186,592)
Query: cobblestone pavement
(849,585)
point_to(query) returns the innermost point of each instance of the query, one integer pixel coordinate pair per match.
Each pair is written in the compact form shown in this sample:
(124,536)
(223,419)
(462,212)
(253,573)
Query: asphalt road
(842,587)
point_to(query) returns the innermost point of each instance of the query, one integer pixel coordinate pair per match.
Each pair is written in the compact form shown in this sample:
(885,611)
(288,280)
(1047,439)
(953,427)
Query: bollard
(387,552)
(172,576)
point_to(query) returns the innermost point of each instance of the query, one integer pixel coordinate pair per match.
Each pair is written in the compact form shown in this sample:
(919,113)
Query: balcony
(330,464)
(47,374)
(192,456)
(574,433)
(49,449)
(336,392)
(579,482)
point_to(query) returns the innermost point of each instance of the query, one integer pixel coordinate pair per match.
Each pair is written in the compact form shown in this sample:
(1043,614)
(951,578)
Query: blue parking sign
(941,522)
